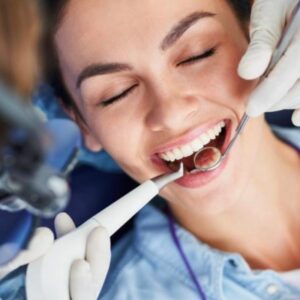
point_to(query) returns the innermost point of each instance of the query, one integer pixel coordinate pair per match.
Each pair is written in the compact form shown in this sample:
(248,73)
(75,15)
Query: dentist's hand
(281,90)
(39,244)
(87,276)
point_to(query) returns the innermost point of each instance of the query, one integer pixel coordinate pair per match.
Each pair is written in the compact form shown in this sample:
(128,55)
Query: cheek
(238,88)
(121,134)
(219,80)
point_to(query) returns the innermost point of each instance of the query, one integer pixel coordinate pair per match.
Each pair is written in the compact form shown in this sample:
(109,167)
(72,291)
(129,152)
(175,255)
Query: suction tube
(48,277)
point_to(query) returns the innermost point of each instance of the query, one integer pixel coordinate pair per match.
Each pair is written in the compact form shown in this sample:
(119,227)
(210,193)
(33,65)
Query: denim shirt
(152,268)
(147,265)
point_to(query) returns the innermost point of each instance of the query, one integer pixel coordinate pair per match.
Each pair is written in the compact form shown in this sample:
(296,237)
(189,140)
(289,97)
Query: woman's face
(152,78)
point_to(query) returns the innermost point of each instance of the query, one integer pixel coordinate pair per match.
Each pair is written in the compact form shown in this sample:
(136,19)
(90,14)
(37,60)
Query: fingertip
(63,224)
(48,236)
(46,233)
(39,244)
(63,217)
(43,237)
(252,110)
(101,232)
(254,63)
(80,266)
(99,237)
(296,118)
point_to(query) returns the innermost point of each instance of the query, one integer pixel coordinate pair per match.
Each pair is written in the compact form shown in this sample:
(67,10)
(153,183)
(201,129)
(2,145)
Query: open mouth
(214,137)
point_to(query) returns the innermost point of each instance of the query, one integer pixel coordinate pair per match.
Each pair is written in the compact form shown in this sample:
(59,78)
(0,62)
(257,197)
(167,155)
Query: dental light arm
(26,180)
(34,160)
(48,277)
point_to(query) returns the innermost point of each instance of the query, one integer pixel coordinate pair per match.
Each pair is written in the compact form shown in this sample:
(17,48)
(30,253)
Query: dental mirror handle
(48,277)
(286,39)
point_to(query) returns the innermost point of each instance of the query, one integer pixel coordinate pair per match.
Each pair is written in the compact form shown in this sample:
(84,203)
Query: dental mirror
(207,159)
(210,158)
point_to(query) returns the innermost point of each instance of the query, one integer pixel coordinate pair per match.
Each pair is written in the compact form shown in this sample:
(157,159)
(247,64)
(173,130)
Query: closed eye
(118,97)
(196,58)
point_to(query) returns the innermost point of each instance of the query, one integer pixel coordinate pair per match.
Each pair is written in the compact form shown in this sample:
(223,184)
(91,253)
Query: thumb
(266,25)
(98,254)
(40,242)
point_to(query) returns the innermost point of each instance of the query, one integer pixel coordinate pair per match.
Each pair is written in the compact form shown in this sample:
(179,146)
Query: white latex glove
(281,90)
(39,244)
(87,276)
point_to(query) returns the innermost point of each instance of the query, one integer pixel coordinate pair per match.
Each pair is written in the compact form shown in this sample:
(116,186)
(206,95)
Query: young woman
(151,82)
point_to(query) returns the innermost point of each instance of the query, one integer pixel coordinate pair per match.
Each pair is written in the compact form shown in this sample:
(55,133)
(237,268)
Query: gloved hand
(281,90)
(39,244)
(87,276)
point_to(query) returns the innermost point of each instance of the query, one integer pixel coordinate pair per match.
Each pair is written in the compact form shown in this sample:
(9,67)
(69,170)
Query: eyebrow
(175,33)
(182,26)
(100,69)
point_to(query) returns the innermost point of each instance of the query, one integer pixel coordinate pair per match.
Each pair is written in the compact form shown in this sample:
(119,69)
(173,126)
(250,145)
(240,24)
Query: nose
(171,108)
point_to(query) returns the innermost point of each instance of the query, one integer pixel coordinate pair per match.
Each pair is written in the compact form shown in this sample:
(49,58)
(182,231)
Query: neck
(264,217)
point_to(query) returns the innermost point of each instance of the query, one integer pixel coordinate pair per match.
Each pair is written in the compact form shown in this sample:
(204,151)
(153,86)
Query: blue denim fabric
(146,265)
(12,287)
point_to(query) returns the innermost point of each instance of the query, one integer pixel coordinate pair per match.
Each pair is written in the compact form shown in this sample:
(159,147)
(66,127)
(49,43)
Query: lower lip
(200,179)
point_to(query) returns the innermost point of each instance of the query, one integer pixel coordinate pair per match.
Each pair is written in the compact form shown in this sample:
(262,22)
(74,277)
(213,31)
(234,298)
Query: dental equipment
(209,158)
(28,178)
(48,277)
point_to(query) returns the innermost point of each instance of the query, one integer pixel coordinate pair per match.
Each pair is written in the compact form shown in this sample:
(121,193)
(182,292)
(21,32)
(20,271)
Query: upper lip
(187,137)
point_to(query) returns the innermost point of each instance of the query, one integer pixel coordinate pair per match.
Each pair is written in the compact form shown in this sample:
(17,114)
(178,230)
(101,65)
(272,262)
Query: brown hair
(19,36)
(242,9)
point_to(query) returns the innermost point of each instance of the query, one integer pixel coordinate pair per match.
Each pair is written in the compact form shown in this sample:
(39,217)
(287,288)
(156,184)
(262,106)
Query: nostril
(154,120)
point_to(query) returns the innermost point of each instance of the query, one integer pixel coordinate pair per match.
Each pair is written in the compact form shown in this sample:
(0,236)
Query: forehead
(109,30)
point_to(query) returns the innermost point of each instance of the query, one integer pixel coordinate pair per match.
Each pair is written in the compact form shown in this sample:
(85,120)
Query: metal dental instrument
(48,277)
(209,158)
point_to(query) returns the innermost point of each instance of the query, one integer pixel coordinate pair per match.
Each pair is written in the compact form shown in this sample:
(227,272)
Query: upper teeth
(194,146)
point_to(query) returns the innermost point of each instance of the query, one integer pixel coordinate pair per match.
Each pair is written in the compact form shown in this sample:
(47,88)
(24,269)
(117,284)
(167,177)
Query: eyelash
(188,61)
(196,58)
(119,96)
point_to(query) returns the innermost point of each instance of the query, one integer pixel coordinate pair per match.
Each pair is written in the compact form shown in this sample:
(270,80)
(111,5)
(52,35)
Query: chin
(211,199)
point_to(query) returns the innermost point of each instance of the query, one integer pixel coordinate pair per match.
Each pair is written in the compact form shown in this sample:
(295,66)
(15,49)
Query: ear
(90,140)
